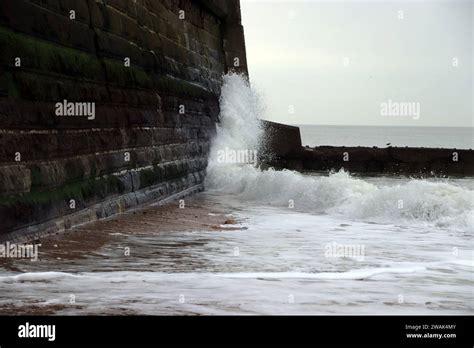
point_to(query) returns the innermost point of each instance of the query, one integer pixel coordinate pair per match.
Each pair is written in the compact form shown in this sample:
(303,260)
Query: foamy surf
(359,274)
(156,276)
(37,277)
(442,204)
(136,276)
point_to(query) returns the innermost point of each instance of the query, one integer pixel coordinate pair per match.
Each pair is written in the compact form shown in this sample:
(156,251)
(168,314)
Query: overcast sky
(335,62)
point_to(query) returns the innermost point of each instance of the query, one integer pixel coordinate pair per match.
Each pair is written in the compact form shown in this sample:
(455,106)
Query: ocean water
(435,137)
(300,244)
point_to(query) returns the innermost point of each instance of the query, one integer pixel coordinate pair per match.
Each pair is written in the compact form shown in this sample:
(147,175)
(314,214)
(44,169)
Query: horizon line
(370,125)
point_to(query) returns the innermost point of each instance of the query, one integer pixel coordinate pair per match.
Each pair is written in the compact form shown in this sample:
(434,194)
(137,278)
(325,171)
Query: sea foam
(443,204)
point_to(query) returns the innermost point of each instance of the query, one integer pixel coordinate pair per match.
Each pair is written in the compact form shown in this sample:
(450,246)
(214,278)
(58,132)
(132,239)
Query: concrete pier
(284,142)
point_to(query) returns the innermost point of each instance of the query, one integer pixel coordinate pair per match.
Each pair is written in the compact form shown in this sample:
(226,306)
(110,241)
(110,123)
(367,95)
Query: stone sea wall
(285,144)
(151,72)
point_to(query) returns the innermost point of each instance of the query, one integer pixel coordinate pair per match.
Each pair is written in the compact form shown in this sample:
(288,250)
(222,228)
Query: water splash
(443,204)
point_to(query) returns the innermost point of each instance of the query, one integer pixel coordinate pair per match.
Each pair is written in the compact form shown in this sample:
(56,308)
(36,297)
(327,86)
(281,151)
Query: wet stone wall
(107,104)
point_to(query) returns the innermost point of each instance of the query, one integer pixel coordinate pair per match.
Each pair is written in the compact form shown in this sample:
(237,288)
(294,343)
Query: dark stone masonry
(152,71)
(285,144)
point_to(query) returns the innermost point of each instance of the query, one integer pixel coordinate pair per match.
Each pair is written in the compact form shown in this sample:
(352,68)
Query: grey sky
(336,62)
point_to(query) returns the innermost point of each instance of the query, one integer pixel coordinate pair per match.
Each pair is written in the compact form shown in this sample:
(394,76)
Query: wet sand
(79,241)
(87,241)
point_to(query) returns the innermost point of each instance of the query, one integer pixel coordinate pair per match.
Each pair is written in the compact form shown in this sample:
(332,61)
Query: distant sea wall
(139,82)
(284,142)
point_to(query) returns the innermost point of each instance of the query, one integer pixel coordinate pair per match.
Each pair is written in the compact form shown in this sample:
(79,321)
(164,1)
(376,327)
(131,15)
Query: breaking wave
(443,204)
